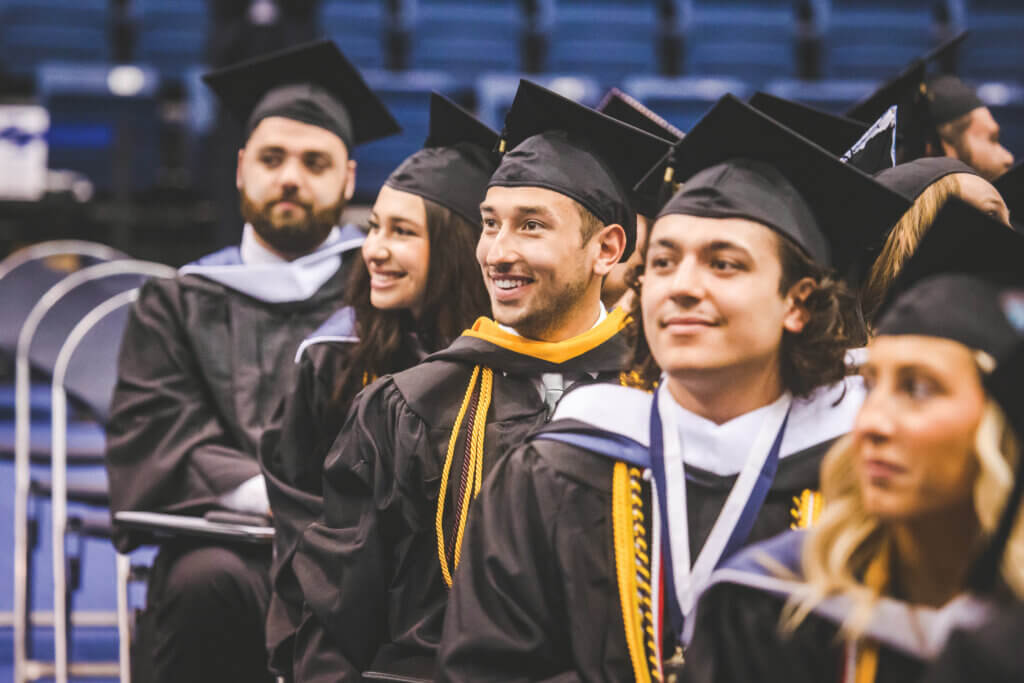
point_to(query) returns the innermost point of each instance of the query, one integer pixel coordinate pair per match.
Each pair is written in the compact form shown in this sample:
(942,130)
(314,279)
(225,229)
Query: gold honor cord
(632,567)
(806,509)
(476,466)
(877,578)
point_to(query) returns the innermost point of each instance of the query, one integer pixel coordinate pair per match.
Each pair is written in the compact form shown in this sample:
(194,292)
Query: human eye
(489,224)
(373,225)
(918,387)
(271,159)
(532,225)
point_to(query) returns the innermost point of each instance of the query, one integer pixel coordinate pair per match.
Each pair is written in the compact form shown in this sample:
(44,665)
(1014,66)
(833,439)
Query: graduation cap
(907,87)
(313,83)
(590,157)
(737,162)
(949,98)
(909,90)
(914,177)
(951,287)
(835,133)
(628,109)
(456,163)
(1005,386)
(1011,186)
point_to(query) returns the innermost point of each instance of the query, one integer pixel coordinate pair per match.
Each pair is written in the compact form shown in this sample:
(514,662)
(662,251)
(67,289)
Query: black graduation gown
(202,369)
(737,636)
(370,568)
(537,595)
(991,653)
(292,454)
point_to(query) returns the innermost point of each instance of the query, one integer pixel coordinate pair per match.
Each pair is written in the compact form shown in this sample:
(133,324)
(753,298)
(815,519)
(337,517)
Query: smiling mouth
(510,284)
(380,279)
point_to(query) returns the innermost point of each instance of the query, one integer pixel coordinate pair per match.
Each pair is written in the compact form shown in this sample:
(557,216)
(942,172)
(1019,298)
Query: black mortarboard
(456,163)
(557,144)
(1011,186)
(739,163)
(1005,385)
(951,286)
(835,133)
(949,98)
(914,177)
(627,109)
(905,86)
(313,83)
(908,90)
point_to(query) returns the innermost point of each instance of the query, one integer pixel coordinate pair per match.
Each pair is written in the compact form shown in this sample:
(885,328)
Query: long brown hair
(902,242)
(455,296)
(813,358)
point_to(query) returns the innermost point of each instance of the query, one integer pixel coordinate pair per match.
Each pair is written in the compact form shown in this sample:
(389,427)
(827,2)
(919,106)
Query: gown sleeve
(343,561)
(503,619)
(292,455)
(990,654)
(737,638)
(167,449)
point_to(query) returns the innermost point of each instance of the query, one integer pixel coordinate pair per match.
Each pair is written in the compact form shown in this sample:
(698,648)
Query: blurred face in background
(294,180)
(615,290)
(974,140)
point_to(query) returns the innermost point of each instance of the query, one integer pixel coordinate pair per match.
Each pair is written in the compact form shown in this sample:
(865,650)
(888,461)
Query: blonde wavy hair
(845,540)
(902,242)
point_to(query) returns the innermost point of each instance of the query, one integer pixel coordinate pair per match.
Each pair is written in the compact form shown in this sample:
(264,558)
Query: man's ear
(611,242)
(797,316)
(238,170)
(350,180)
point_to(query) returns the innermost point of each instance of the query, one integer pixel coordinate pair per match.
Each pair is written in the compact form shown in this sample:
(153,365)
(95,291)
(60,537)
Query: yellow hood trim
(552,352)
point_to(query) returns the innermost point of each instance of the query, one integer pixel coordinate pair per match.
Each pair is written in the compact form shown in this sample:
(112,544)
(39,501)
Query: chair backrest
(28,273)
(682,101)
(59,310)
(495,92)
(86,365)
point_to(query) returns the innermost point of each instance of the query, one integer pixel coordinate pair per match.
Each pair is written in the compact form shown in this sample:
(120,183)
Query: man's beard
(552,312)
(297,236)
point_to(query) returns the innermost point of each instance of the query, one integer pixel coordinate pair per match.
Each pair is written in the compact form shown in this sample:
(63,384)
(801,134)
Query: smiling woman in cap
(415,289)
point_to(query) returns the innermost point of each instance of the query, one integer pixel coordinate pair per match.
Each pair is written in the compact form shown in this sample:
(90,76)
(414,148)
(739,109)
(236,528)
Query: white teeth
(508,284)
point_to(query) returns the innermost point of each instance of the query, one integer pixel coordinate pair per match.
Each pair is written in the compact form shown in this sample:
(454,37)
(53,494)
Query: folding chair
(161,527)
(40,341)
(25,276)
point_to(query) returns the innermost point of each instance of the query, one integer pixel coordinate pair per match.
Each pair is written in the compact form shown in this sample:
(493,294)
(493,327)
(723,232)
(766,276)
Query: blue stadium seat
(407,95)
(357,26)
(683,101)
(36,31)
(104,122)
(835,96)
(495,92)
(994,50)
(605,40)
(875,40)
(171,35)
(467,38)
(752,42)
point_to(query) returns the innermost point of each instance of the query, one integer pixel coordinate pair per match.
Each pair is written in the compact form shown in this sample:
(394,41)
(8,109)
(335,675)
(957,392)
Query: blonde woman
(927,182)
(871,591)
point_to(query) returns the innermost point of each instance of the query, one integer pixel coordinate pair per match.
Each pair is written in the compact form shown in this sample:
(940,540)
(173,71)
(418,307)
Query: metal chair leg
(124,630)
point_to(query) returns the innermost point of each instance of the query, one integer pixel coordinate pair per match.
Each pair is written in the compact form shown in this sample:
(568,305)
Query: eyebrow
(521,210)
(724,245)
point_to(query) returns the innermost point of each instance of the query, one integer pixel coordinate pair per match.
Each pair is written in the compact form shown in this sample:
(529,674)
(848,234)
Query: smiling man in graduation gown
(571,552)
(208,354)
(400,479)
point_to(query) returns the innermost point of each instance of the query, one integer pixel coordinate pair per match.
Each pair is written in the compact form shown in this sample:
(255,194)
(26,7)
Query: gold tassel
(806,509)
